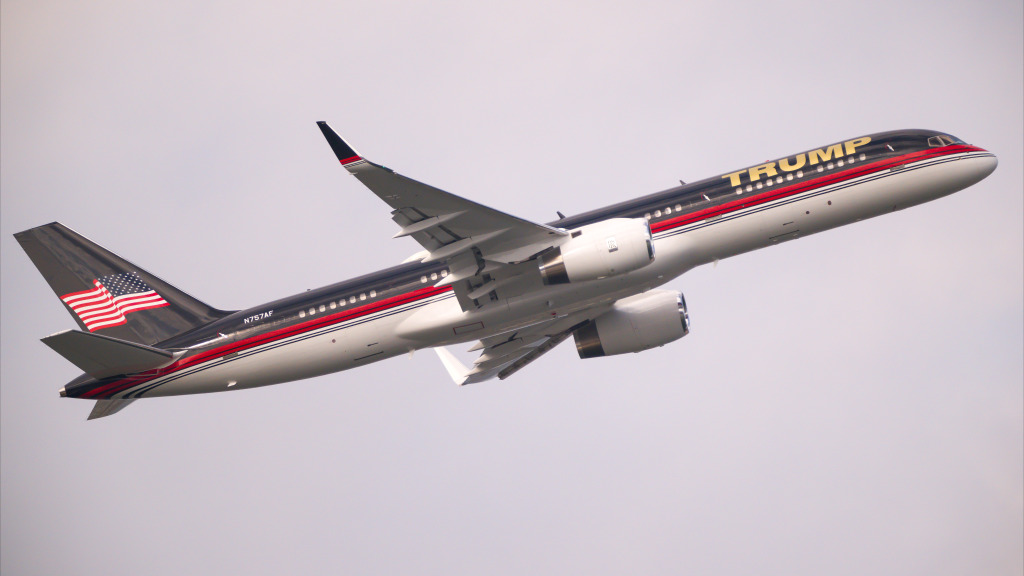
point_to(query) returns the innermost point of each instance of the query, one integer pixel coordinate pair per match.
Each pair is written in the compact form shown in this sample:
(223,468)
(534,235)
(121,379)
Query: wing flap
(505,354)
(426,223)
(537,352)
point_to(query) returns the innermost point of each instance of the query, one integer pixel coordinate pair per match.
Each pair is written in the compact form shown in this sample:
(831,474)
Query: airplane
(514,287)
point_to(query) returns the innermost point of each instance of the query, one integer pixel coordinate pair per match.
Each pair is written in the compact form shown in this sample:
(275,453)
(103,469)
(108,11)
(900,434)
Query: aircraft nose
(987,165)
(979,167)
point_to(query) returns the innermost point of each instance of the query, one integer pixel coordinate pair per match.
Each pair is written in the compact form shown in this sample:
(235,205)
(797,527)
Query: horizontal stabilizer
(108,407)
(103,356)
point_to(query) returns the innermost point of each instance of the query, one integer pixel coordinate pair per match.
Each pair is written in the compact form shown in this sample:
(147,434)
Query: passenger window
(333,305)
(423,279)
(302,314)
(312,311)
(362,296)
(323,308)
(433,276)
(679,207)
(373,293)
(352,300)
(657,213)
(341,302)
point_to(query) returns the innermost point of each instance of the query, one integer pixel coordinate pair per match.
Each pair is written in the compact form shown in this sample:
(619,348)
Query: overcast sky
(850,403)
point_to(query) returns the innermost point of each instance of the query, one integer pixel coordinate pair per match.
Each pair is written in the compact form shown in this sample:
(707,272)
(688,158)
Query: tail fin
(103,291)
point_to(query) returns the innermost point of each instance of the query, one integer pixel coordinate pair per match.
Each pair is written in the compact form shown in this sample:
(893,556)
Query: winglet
(346,155)
(456,369)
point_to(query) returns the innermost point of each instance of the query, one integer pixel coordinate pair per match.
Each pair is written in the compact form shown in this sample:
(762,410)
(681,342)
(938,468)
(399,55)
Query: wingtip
(25,233)
(345,153)
(457,370)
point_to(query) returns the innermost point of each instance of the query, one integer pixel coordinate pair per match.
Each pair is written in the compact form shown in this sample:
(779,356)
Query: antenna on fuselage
(560,215)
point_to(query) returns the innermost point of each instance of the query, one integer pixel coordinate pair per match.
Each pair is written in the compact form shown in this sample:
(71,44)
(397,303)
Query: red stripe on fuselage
(796,188)
(260,339)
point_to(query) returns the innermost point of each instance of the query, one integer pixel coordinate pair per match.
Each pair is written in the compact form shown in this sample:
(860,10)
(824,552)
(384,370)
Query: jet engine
(635,324)
(607,248)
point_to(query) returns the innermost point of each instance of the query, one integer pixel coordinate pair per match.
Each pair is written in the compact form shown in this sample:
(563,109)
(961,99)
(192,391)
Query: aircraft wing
(505,354)
(471,237)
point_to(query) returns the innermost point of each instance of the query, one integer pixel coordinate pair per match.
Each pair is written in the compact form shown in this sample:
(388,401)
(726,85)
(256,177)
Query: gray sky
(850,403)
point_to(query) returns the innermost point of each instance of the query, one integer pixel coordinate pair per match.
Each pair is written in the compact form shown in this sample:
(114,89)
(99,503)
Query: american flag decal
(113,297)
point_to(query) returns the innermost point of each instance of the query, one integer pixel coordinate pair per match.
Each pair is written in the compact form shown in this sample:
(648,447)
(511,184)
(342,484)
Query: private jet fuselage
(518,290)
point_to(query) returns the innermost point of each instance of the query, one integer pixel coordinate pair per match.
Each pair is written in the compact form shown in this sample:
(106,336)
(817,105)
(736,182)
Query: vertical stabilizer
(107,294)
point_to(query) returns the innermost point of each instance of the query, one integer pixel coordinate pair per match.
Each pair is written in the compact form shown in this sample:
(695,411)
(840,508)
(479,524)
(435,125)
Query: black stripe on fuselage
(387,283)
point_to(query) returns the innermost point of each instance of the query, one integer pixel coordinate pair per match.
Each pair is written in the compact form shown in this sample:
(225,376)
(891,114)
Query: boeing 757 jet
(515,288)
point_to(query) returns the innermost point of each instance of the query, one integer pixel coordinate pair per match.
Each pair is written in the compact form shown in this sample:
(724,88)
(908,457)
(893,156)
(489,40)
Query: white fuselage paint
(431,322)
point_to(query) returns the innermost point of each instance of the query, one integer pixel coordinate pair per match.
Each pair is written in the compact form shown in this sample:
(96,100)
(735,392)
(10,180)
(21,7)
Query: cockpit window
(943,140)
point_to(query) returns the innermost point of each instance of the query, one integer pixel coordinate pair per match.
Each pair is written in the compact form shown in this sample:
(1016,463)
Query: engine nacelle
(635,324)
(607,248)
